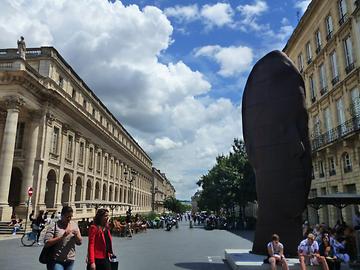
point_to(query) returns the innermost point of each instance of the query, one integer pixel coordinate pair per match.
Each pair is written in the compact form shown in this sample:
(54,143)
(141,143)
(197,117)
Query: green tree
(229,182)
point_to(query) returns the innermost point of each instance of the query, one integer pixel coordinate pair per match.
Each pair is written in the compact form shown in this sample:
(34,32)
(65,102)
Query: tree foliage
(175,205)
(230,182)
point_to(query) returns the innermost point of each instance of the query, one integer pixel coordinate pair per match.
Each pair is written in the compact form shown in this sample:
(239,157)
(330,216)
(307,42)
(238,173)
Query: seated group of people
(131,225)
(15,223)
(328,252)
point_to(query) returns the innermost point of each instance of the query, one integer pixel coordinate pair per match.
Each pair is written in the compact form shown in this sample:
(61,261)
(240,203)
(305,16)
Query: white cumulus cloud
(219,14)
(232,60)
(183,13)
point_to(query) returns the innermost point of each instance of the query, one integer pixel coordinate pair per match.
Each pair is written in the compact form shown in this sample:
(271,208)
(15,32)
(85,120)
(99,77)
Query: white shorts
(311,261)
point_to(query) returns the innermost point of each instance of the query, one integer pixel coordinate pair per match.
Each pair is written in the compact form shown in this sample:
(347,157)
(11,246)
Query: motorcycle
(169,223)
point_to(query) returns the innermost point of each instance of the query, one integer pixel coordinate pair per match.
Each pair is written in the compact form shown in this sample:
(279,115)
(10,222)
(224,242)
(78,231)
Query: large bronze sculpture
(275,128)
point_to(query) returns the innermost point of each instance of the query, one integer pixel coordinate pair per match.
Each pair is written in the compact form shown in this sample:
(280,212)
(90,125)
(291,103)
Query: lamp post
(131,179)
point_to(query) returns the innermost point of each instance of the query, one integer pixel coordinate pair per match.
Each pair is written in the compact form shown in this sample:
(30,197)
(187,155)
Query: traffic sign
(30,191)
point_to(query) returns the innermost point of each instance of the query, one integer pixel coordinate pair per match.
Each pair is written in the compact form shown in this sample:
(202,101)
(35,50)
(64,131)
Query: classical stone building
(326,48)
(162,189)
(59,138)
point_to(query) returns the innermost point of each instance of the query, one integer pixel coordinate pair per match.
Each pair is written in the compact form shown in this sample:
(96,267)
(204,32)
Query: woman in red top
(100,242)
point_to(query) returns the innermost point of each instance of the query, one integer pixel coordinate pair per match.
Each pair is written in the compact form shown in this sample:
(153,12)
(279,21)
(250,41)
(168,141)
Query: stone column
(13,104)
(43,170)
(32,142)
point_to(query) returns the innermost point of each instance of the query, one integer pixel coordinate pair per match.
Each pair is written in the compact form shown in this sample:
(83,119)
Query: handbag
(47,252)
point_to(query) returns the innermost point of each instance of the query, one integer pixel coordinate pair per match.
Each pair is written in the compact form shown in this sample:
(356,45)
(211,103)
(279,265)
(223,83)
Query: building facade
(59,138)
(162,189)
(325,46)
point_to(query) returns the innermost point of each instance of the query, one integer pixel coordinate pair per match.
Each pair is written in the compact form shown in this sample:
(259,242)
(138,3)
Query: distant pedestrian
(100,242)
(63,235)
(38,225)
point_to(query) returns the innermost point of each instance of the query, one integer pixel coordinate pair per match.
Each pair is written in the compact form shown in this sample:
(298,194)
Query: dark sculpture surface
(275,129)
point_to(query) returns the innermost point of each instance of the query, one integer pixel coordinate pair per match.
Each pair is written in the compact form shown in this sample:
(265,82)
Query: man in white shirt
(308,252)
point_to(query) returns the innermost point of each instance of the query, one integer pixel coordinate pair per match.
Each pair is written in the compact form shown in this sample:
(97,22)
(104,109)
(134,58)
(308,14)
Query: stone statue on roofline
(275,127)
(22,47)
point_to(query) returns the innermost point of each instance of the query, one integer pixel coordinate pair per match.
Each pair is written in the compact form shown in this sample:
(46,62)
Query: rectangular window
(316,125)
(106,165)
(73,94)
(312,88)
(334,68)
(342,11)
(93,112)
(308,53)
(355,102)
(70,147)
(348,54)
(322,77)
(321,169)
(341,115)
(300,62)
(81,153)
(19,136)
(84,103)
(91,157)
(111,168)
(98,162)
(327,117)
(55,140)
(318,41)
(329,27)
(332,169)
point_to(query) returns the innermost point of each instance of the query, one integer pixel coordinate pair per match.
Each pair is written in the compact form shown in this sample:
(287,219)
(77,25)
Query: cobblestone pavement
(183,248)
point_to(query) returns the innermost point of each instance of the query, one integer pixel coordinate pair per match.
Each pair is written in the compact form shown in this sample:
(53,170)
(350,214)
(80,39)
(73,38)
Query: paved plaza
(183,248)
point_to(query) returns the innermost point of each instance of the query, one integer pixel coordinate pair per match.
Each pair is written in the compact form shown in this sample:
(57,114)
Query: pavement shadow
(202,266)
(248,235)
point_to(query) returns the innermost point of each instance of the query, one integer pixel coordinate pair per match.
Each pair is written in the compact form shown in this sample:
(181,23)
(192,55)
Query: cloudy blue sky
(172,72)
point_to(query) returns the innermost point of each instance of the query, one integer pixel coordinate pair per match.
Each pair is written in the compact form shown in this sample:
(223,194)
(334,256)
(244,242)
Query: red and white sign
(30,191)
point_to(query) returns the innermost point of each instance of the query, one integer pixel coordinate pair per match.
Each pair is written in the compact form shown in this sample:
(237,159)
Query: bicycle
(29,239)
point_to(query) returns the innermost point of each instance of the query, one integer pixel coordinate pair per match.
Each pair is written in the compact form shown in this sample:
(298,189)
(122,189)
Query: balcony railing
(343,19)
(332,172)
(349,68)
(346,128)
(309,60)
(318,49)
(323,90)
(335,80)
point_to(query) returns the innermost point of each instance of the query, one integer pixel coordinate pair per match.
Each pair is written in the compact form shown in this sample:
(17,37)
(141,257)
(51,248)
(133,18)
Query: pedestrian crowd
(322,245)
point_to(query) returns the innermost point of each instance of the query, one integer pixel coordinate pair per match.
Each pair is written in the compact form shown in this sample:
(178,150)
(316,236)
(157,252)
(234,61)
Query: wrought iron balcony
(348,127)
(323,90)
(309,61)
(318,49)
(343,19)
(335,80)
(349,68)
(347,169)
(332,172)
